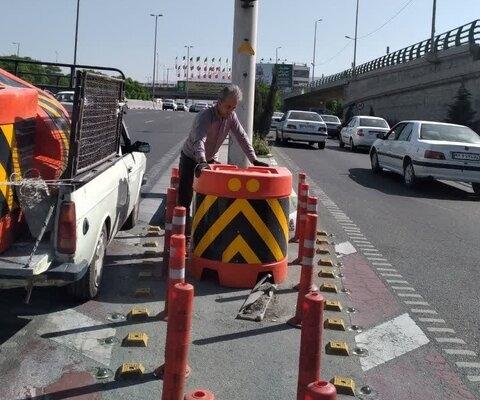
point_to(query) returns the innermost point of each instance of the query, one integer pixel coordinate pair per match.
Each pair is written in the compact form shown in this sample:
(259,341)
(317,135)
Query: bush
(260,146)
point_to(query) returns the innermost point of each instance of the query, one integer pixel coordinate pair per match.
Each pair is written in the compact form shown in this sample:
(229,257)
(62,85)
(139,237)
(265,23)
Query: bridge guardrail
(465,34)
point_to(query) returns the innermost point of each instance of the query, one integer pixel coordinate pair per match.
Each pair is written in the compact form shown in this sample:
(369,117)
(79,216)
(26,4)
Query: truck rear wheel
(88,287)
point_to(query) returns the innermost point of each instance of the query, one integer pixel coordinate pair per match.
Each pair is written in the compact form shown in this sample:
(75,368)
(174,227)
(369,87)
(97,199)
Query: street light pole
(188,47)
(76,35)
(18,47)
(276,54)
(155,53)
(168,70)
(434,12)
(355,43)
(314,49)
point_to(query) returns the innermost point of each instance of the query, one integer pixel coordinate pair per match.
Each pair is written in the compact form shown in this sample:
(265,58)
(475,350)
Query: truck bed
(13,261)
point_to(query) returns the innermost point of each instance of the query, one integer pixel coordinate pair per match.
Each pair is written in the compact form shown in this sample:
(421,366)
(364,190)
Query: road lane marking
(406,288)
(149,121)
(397,281)
(467,364)
(389,340)
(440,330)
(432,320)
(377,259)
(416,303)
(473,378)
(423,311)
(449,340)
(387,264)
(390,275)
(386,269)
(418,296)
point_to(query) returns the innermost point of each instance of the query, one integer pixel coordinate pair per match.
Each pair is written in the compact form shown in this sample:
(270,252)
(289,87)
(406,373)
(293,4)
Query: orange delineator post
(306,276)
(171,203)
(302,178)
(321,390)
(240,224)
(310,343)
(199,394)
(178,341)
(176,273)
(174,182)
(179,220)
(303,219)
(175,171)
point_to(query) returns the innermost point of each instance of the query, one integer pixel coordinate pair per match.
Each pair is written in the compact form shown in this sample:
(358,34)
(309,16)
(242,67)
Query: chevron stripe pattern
(240,231)
(9,163)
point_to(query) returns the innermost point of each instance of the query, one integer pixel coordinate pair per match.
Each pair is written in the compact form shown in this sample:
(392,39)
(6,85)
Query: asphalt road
(430,233)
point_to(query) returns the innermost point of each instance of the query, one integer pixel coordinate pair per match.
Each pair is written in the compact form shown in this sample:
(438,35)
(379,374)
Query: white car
(66,99)
(198,106)
(422,149)
(301,126)
(277,116)
(362,131)
(169,104)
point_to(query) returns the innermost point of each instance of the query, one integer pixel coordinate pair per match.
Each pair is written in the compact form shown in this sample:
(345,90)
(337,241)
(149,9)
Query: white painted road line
(423,311)
(406,288)
(390,340)
(440,330)
(460,352)
(473,378)
(149,121)
(432,320)
(370,246)
(466,364)
(377,259)
(417,296)
(386,264)
(391,275)
(416,303)
(397,281)
(386,269)
(449,340)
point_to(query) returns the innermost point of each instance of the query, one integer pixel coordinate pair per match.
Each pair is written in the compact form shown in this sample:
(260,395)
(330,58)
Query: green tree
(268,109)
(335,107)
(461,111)
(134,90)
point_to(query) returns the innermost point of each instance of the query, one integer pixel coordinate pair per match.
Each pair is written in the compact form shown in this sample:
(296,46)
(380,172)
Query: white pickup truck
(101,197)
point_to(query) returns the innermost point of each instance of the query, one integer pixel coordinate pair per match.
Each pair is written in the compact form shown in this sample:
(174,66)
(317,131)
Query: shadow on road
(240,335)
(392,184)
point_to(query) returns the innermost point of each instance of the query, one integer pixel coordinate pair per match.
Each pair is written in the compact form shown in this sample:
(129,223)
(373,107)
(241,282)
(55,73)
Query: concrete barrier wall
(420,89)
(142,105)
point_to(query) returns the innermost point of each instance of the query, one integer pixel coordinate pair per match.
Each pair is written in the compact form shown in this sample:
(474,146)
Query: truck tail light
(67,228)
(360,132)
(435,155)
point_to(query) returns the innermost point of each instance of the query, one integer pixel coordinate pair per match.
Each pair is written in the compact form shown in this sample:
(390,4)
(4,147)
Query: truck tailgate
(13,261)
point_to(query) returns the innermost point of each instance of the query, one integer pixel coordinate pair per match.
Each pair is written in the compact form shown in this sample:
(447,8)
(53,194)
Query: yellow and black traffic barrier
(240,224)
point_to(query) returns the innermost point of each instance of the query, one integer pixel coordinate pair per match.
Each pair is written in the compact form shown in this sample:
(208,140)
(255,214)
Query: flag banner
(198,59)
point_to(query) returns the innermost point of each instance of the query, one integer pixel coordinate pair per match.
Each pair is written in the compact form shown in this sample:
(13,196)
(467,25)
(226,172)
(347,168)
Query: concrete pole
(243,73)
(356,36)
(154,54)
(76,35)
(188,72)
(314,49)
(434,12)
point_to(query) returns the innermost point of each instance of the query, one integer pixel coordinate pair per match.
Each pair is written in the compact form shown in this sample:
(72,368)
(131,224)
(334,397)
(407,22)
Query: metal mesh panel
(99,133)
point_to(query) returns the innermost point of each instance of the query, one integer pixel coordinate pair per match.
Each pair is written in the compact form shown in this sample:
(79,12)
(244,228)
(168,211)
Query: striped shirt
(209,131)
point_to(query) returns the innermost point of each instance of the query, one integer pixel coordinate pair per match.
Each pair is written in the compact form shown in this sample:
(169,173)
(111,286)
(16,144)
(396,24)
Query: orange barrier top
(17,104)
(244,183)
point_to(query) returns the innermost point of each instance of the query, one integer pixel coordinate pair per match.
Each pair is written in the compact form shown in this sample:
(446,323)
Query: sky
(120,33)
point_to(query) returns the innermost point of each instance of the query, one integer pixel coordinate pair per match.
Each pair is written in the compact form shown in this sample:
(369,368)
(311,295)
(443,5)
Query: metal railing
(465,34)
(53,78)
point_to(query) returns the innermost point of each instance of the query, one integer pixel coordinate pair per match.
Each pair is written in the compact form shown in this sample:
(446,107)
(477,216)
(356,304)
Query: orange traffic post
(304,187)
(240,224)
(178,220)
(175,171)
(176,273)
(174,182)
(302,178)
(310,342)
(175,369)
(200,394)
(171,203)
(306,284)
(321,390)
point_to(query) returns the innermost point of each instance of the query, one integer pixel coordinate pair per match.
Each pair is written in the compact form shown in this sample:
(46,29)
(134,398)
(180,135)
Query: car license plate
(466,156)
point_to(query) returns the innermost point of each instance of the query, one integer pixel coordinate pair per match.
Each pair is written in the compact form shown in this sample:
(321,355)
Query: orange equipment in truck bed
(34,141)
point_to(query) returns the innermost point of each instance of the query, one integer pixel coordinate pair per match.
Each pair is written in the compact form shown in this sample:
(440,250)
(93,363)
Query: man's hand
(200,167)
(260,164)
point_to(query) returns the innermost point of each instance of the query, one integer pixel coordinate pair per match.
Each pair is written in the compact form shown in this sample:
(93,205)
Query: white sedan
(422,149)
(362,131)
(302,126)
